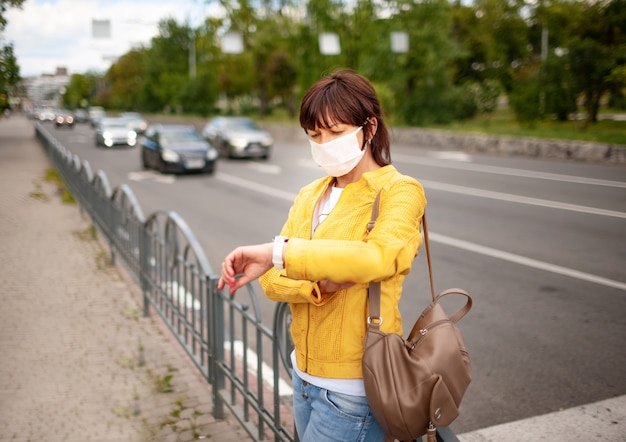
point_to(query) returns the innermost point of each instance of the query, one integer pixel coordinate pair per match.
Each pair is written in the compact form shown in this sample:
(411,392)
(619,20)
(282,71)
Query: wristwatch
(277,251)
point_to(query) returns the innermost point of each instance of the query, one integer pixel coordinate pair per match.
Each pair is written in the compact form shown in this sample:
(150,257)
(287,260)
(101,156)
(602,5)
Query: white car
(46,114)
(115,131)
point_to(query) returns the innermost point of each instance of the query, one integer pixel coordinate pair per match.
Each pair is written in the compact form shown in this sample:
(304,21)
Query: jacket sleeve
(275,283)
(389,249)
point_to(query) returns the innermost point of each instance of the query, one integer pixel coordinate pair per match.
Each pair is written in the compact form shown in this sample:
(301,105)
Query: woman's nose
(324,138)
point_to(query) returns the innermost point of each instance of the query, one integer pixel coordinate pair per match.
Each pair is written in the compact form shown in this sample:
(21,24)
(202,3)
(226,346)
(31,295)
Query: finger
(228,267)
(228,272)
(238,283)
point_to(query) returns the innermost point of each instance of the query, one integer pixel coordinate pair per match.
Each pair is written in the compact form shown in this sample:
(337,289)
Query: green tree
(486,95)
(500,42)
(80,91)
(461,54)
(525,96)
(617,80)
(557,88)
(423,82)
(9,75)
(167,68)
(597,52)
(550,31)
(281,78)
(124,79)
(238,74)
(266,34)
(591,64)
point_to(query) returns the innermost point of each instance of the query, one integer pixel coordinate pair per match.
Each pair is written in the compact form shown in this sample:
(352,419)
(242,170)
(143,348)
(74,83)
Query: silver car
(136,121)
(238,137)
(114,131)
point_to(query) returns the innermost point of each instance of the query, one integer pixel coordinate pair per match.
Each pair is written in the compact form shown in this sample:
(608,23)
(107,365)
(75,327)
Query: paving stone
(71,327)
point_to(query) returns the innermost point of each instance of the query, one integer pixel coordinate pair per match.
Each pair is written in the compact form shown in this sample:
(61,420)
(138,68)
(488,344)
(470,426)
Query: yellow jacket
(329,330)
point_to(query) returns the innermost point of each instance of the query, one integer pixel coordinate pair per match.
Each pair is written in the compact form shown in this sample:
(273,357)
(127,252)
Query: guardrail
(223,336)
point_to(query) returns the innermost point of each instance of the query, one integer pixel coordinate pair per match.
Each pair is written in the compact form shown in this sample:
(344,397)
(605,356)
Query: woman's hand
(251,261)
(330,287)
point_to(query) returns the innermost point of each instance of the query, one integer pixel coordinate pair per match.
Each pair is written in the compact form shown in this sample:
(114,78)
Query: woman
(324,259)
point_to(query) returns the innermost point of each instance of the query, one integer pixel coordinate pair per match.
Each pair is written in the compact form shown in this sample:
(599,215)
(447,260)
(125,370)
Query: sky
(47,34)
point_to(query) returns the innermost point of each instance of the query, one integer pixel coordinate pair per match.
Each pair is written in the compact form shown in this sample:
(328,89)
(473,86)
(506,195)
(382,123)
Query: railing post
(216,323)
(144,260)
(445,434)
(112,229)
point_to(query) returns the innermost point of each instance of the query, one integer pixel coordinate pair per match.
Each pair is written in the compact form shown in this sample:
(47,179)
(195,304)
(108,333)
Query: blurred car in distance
(81,116)
(45,114)
(136,121)
(64,119)
(238,137)
(177,148)
(95,114)
(114,132)
(31,112)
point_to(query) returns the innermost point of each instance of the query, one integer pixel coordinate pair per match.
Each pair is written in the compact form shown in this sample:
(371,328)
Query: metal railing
(223,336)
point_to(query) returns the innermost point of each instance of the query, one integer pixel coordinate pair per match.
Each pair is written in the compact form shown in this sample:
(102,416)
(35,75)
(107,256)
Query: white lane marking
(152,176)
(508,171)
(445,188)
(138,176)
(449,240)
(522,260)
(284,388)
(270,169)
(181,296)
(257,187)
(601,421)
(519,199)
(79,139)
(451,155)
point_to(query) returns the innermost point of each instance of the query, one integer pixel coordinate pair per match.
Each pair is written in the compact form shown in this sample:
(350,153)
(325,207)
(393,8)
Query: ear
(372,126)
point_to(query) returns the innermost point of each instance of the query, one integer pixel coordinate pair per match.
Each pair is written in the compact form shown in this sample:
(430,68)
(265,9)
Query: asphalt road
(540,244)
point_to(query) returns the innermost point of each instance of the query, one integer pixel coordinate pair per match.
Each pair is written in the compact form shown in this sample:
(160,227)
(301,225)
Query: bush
(524,100)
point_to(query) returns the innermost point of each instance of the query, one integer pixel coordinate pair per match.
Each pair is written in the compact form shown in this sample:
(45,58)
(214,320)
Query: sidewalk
(79,361)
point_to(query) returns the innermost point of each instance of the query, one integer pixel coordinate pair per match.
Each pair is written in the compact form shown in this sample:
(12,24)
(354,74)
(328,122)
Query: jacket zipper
(308,328)
(308,307)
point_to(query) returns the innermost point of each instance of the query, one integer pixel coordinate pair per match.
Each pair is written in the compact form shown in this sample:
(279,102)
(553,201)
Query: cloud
(47,34)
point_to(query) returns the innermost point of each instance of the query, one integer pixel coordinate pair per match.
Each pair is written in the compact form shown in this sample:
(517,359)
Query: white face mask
(339,156)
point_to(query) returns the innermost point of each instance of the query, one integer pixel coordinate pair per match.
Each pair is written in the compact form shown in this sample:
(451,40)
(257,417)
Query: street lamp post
(192,54)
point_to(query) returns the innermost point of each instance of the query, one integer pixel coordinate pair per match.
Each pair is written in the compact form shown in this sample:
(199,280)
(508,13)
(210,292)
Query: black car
(177,148)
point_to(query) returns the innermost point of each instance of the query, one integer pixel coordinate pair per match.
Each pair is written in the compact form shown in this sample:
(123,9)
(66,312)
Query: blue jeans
(321,415)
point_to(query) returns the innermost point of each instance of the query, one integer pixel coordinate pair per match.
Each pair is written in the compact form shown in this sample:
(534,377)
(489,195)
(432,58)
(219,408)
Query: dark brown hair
(346,97)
